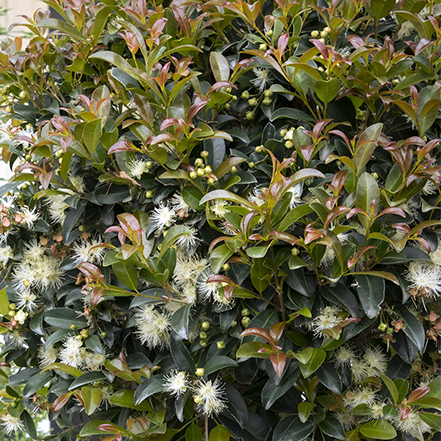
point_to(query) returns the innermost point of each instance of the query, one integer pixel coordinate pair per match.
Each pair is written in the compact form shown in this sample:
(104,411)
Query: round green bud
(149,194)
(245,312)
(205,326)
(327,29)
(228,90)
(389,331)
(245,95)
(315,34)
(203,343)
(234,98)
(295,251)
(28,157)
(252,102)
(245,321)
(251,164)
(226,266)
(424,138)
(382,327)
(267,101)
(73,327)
(259,149)
(233,169)
(283,133)
(149,164)
(263,47)
(208,169)
(220,345)
(103,335)
(375,176)
(395,81)
(82,228)
(249,116)
(198,162)
(289,144)
(339,163)
(269,32)
(211,181)
(323,34)
(204,153)
(233,324)
(268,93)
(200,172)
(202,335)
(227,106)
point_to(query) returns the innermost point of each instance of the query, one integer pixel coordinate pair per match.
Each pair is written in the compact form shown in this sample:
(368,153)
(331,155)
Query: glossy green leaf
(63,27)
(217,363)
(192,196)
(92,397)
(292,429)
(179,321)
(193,433)
(378,430)
(64,318)
(413,329)
(332,427)
(125,398)
(219,256)
(36,382)
(219,433)
(365,150)
(126,273)
(4,302)
(370,292)
(29,425)
(87,378)
(219,66)
(381,8)
(91,135)
(149,387)
(327,90)
(293,216)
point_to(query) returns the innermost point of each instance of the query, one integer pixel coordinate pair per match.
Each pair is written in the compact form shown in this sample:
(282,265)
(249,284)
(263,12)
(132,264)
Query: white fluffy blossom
(359,396)
(136,168)
(376,362)
(176,383)
(29,217)
(57,206)
(359,369)
(262,79)
(153,327)
(162,216)
(413,425)
(344,356)
(89,251)
(72,353)
(296,195)
(435,256)
(209,396)
(47,356)
(328,318)
(188,240)
(11,423)
(26,299)
(21,316)
(6,254)
(425,278)
(219,208)
(188,269)
(181,207)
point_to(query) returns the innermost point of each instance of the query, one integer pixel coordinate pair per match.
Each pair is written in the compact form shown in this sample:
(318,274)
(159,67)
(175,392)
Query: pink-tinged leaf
(335,212)
(218,278)
(220,85)
(91,271)
(278,360)
(353,261)
(169,122)
(265,351)
(355,211)
(29,165)
(317,130)
(259,332)
(276,331)
(321,47)
(228,292)
(65,142)
(402,227)
(256,236)
(356,41)
(59,403)
(45,179)
(425,244)
(338,181)
(163,137)
(282,42)
(107,427)
(96,295)
(404,412)
(199,103)
(393,210)
(286,237)
(122,146)
(127,250)
(216,241)
(342,135)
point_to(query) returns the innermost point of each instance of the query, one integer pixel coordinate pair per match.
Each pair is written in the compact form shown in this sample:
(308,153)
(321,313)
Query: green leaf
(378,430)
(224,194)
(413,329)
(92,397)
(181,356)
(391,386)
(64,318)
(4,302)
(293,216)
(36,382)
(193,433)
(219,66)
(304,409)
(126,273)
(292,429)
(327,90)
(290,113)
(91,135)
(29,425)
(219,433)
(332,427)
(316,359)
(63,27)
(329,377)
(87,378)
(124,398)
(402,388)
(217,363)
(192,196)
(342,296)
(91,428)
(219,256)
(433,420)
(381,8)
(367,192)
(251,349)
(260,275)
(365,150)
(227,165)
(149,387)
(370,291)
(179,322)
(173,234)
(63,368)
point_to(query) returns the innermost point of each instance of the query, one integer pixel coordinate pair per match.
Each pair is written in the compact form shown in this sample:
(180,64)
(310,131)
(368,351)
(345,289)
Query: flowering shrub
(223,222)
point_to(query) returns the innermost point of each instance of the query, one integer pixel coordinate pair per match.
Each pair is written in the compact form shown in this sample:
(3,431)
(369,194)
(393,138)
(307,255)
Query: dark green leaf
(378,430)
(149,387)
(193,433)
(292,429)
(126,273)
(181,356)
(87,378)
(179,322)
(192,195)
(36,382)
(217,363)
(332,427)
(64,318)
(370,291)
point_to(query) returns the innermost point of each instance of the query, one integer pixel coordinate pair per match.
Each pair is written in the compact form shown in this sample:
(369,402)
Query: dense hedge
(223,222)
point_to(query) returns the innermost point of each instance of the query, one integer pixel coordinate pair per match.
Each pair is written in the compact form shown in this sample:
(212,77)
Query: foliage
(224,220)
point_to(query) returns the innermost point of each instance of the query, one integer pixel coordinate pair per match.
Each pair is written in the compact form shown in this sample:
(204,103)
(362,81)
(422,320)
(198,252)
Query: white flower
(21,316)
(376,362)
(435,256)
(11,424)
(189,292)
(7,202)
(289,134)
(425,278)
(89,251)
(329,256)
(153,327)
(188,240)
(209,396)
(257,196)
(6,254)
(296,195)
(429,188)
(26,299)
(33,252)
(327,319)
(413,425)
(47,356)
(208,290)
(72,353)
(162,216)
(343,356)
(359,396)
(94,361)
(377,410)
(218,208)
(136,168)
(188,269)
(347,419)
(57,206)
(28,216)
(176,383)
(359,370)
(262,79)
(181,207)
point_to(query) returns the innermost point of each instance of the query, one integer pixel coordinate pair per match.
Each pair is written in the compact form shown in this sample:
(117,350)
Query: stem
(206,427)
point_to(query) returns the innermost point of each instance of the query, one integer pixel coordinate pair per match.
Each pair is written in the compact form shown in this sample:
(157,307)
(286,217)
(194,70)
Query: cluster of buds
(434,330)
(295,137)
(360,114)
(202,170)
(322,34)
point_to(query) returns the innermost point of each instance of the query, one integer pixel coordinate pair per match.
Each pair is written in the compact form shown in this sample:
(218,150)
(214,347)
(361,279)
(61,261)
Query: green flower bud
(204,153)
(295,251)
(314,34)
(193,175)
(203,343)
(289,144)
(200,372)
(226,266)
(220,345)
(245,312)
(245,321)
(252,102)
(268,93)
(233,169)
(205,326)
(245,95)
(250,116)
(200,172)
(208,169)
(263,47)
(202,335)
(149,194)
(198,162)
(267,101)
